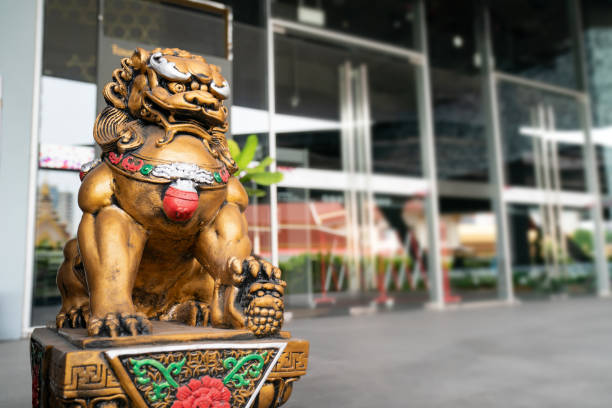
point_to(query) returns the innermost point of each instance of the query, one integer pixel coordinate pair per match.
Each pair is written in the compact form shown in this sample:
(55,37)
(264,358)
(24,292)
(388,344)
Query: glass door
(549,208)
(352,228)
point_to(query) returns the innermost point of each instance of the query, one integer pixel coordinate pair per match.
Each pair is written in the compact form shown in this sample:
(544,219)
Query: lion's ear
(106,127)
(140,59)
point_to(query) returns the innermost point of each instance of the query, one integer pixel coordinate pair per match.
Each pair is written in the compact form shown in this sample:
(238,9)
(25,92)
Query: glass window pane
(401,248)
(161,25)
(329,264)
(70,43)
(468,234)
(598,46)
(543,139)
(62,151)
(394,115)
(461,141)
(552,250)
(307,93)
(389,21)
(312,106)
(533,38)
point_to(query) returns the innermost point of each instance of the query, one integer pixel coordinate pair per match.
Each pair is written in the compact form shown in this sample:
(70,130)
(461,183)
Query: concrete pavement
(538,354)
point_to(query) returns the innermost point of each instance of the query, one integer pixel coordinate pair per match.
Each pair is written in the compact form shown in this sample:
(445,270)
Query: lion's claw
(192,313)
(119,324)
(75,318)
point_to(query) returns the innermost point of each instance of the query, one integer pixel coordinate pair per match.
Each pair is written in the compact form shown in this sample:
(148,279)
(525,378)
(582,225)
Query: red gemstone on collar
(224,174)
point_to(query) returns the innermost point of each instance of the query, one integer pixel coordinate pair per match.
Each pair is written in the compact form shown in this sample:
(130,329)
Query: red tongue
(179,205)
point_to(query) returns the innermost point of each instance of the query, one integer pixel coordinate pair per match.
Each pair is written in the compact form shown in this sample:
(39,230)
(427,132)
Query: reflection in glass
(393,115)
(70,39)
(461,141)
(533,39)
(311,106)
(389,21)
(62,151)
(307,93)
(468,234)
(543,139)
(598,46)
(552,250)
(329,261)
(57,220)
(400,250)
(144,22)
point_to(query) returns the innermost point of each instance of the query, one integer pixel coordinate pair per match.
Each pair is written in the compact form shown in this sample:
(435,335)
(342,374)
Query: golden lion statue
(163,233)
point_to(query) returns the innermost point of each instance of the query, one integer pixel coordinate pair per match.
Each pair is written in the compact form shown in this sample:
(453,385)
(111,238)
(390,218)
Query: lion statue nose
(180,200)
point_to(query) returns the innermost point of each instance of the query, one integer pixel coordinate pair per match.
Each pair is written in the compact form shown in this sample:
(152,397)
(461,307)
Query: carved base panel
(177,367)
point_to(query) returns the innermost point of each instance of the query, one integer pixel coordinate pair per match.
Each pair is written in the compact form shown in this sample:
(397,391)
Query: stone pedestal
(176,367)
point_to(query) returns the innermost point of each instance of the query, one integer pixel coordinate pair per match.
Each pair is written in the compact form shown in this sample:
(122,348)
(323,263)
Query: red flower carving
(131,164)
(206,392)
(114,158)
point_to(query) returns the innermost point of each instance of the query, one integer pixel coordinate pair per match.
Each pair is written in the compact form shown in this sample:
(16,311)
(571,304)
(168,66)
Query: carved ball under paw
(119,324)
(264,315)
(261,295)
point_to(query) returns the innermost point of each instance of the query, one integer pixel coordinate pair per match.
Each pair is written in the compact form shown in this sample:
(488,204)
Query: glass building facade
(433,151)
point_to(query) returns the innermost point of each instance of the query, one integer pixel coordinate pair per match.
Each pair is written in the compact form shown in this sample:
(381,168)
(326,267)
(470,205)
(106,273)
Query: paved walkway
(538,354)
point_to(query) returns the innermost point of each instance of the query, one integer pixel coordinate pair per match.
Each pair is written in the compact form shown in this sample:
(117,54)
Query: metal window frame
(505,287)
(428,159)
(26,310)
(590,156)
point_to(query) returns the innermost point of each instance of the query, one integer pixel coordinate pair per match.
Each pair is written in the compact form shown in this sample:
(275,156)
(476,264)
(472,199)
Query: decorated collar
(158,171)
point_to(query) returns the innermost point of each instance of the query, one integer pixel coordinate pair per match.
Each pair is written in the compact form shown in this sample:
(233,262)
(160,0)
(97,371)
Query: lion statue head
(171,88)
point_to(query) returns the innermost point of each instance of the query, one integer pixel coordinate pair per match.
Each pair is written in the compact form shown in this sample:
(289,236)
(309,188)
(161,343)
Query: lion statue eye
(176,87)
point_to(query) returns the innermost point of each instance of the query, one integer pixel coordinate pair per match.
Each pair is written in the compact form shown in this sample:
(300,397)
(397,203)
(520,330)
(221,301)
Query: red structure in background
(303,227)
(321,228)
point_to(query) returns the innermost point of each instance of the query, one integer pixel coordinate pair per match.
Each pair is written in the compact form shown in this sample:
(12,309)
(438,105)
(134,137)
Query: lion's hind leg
(73,288)
(193,296)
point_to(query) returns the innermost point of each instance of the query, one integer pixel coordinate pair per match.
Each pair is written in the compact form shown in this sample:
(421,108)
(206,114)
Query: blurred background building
(434,151)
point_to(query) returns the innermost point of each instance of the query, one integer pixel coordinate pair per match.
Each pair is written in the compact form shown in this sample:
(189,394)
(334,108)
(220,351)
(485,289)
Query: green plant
(255,175)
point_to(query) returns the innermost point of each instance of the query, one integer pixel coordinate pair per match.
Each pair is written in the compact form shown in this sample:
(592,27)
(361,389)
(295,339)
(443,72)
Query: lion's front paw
(74,318)
(119,324)
(261,294)
(251,269)
(191,312)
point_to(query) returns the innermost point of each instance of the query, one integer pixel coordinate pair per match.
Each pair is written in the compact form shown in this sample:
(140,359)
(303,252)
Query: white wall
(17,64)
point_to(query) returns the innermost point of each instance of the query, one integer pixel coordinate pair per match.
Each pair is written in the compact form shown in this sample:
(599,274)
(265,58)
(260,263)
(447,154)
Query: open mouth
(199,108)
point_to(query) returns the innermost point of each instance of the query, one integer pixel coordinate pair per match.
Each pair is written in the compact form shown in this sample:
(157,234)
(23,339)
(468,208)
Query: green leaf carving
(236,376)
(158,388)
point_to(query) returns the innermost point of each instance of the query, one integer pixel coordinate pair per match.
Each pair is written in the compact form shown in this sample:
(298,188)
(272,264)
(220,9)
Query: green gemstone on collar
(146,169)
(217,177)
